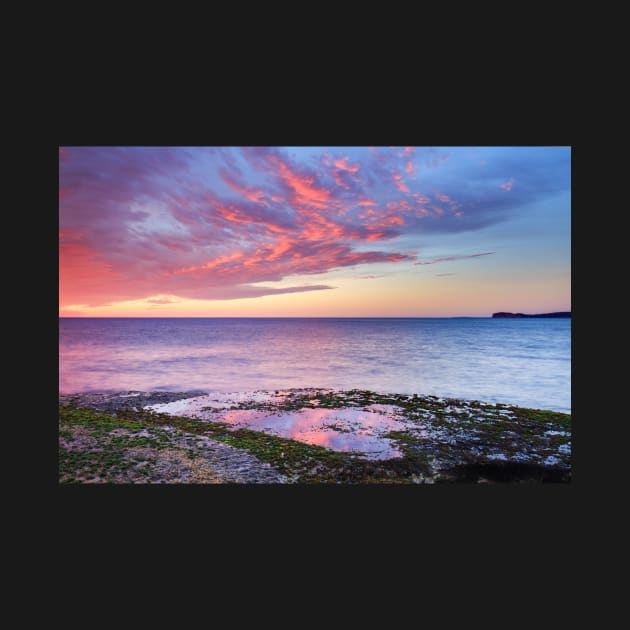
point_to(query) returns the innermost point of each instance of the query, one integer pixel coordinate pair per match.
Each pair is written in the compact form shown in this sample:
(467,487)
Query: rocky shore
(306,436)
(561,314)
(130,400)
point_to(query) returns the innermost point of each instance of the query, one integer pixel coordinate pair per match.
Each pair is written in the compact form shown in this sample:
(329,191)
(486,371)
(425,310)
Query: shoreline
(112,399)
(125,399)
(130,437)
(442,440)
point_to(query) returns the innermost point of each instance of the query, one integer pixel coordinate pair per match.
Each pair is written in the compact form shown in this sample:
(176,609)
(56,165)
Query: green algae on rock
(313,436)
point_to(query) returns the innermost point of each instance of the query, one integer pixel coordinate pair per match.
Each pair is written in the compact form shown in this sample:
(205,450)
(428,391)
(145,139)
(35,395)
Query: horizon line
(288,316)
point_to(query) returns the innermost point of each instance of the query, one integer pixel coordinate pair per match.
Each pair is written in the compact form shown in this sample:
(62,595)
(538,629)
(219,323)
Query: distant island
(560,314)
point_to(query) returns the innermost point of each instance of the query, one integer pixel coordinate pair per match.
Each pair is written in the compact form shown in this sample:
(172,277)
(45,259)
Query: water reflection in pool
(347,429)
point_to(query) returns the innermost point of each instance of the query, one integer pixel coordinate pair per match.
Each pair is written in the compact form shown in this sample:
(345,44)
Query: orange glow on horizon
(374,297)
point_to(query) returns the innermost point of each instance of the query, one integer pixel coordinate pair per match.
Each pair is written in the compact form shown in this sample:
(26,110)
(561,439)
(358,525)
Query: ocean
(526,362)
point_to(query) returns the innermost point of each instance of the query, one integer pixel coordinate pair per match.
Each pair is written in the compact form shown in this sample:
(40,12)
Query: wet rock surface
(159,456)
(302,435)
(131,400)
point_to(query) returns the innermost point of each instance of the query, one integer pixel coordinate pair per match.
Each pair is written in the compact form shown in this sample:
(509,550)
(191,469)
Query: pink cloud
(395,220)
(441,197)
(212,222)
(340,181)
(448,258)
(256,196)
(305,189)
(400,183)
(344,174)
(246,291)
(342,165)
(420,198)
(172,243)
(135,224)
(84,277)
(162,301)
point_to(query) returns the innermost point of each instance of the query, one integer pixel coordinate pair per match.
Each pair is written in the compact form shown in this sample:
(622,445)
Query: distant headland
(559,314)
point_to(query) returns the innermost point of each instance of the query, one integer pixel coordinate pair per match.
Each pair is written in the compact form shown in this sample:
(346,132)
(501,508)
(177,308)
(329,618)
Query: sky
(313,231)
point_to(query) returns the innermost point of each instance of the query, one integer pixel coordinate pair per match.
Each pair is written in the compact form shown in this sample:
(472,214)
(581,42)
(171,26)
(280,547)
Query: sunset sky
(313,231)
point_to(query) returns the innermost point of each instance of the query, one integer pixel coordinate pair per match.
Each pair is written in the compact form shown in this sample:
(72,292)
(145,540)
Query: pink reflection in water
(349,429)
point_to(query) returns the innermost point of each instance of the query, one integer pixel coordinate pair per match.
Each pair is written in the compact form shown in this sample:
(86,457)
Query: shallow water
(515,361)
(349,429)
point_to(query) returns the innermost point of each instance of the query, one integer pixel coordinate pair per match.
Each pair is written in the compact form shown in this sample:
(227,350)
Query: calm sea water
(520,361)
